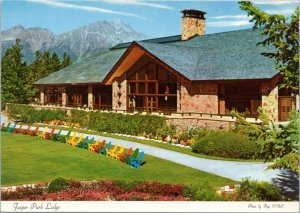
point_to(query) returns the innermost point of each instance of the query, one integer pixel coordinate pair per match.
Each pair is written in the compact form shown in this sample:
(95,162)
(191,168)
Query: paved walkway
(230,169)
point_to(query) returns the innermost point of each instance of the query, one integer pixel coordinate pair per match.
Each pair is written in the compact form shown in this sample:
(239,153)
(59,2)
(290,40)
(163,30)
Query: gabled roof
(230,55)
(88,70)
(221,56)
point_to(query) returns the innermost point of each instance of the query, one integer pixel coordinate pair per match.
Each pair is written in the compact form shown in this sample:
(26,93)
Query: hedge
(29,114)
(226,144)
(118,123)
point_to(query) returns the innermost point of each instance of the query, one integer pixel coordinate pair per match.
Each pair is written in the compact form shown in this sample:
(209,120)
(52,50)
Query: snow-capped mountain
(77,43)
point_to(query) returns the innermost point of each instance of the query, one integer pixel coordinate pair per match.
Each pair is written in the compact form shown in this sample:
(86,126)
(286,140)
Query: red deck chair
(96,148)
(25,131)
(3,125)
(34,132)
(18,130)
(49,134)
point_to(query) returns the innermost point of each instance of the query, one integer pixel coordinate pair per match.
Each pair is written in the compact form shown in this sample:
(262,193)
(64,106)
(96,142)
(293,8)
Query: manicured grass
(160,145)
(27,159)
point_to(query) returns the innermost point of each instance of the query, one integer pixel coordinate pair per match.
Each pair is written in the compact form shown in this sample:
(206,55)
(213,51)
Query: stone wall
(191,27)
(270,100)
(119,94)
(197,97)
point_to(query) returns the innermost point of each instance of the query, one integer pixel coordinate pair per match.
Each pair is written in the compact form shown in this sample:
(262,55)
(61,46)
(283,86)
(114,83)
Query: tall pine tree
(13,79)
(66,61)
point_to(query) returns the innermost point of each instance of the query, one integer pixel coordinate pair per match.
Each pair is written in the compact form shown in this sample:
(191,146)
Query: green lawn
(27,159)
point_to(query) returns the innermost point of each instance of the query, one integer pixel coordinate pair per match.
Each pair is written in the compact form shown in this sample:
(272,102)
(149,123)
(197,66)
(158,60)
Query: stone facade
(90,97)
(42,95)
(119,94)
(192,26)
(64,97)
(201,97)
(270,100)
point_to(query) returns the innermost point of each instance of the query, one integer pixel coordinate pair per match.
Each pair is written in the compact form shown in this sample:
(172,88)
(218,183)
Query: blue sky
(152,18)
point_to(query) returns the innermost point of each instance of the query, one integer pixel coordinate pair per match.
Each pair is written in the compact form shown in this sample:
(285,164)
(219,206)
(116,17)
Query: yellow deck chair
(91,146)
(69,140)
(75,142)
(42,134)
(116,154)
(109,152)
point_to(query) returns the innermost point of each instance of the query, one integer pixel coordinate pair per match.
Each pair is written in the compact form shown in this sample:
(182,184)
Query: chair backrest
(20,127)
(74,136)
(36,129)
(129,151)
(97,142)
(15,126)
(8,125)
(92,140)
(69,133)
(121,150)
(135,153)
(28,127)
(140,157)
(2,125)
(81,137)
(115,148)
(59,132)
(108,145)
(45,130)
(52,131)
(86,139)
(102,143)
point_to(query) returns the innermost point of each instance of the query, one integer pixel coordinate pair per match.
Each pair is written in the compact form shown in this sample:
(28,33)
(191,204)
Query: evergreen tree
(47,63)
(283,34)
(13,77)
(55,63)
(66,61)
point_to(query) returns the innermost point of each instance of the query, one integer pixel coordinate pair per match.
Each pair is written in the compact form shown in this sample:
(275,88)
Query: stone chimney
(193,23)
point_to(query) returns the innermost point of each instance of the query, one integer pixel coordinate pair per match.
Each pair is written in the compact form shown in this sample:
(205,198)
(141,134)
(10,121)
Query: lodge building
(189,73)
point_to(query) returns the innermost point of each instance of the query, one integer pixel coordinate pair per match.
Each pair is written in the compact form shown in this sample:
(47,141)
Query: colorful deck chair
(102,150)
(64,138)
(18,130)
(70,139)
(77,140)
(11,129)
(116,154)
(122,156)
(2,125)
(6,128)
(42,134)
(86,145)
(136,162)
(109,152)
(48,135)
(55,136)
(25,131)
(99,146)
(34,132)
(80,144)
(134,155)
(91,146)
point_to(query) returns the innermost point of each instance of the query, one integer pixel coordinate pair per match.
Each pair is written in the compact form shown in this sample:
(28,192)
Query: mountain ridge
(78,43)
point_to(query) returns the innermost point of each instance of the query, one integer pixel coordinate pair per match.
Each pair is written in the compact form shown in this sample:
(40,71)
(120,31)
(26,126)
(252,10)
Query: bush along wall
(118,123)
(29,114)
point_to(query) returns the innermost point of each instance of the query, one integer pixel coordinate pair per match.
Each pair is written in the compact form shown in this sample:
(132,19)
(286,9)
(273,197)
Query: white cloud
(81,7)
(280,11)
(273,2)
(228,23)
(138,3)
(230,17)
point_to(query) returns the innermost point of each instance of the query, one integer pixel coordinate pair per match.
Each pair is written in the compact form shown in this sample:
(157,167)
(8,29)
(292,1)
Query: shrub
(202,192)
(58,184)
(165,131)
(22,193)
(117,122)
(226,144)
(257,191)
(29,114)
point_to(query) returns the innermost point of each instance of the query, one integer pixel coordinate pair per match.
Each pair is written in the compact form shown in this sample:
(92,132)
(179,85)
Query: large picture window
(151,88)
(53,95)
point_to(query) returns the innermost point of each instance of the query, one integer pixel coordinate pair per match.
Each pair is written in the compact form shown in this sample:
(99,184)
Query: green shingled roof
(176,38)
(220,56)
(88,70)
